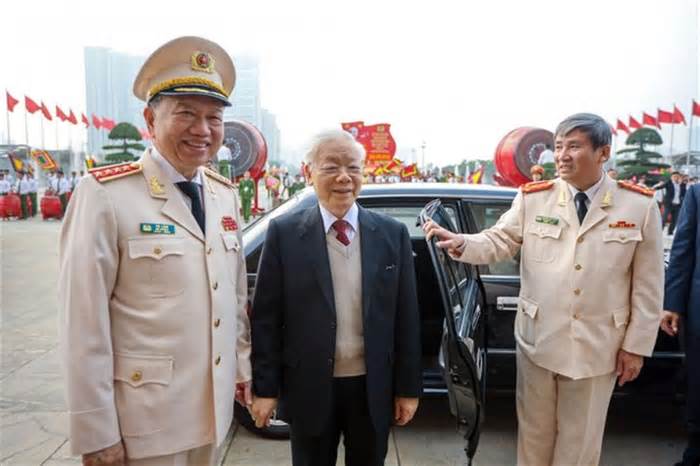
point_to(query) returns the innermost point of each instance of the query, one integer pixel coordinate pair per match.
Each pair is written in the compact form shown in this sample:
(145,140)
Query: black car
(467,312)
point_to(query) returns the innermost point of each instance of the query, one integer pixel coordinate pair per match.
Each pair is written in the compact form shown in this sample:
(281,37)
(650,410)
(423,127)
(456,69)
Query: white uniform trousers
(560,420)
(207,455)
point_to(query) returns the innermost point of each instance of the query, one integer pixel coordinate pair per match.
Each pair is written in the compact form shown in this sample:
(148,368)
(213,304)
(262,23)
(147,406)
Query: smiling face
(336,174)
(188,131)
(577,161)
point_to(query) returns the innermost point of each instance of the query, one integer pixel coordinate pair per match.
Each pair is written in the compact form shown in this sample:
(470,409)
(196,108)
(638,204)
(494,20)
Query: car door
(501,282)
(463,345)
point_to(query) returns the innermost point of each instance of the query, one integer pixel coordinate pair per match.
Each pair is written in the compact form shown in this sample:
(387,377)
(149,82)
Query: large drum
(10,206)
(518,151)
(50,207)
(248,148)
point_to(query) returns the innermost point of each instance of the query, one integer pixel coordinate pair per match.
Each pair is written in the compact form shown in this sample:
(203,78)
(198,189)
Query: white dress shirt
(351,216)
(175,177)
(590,192)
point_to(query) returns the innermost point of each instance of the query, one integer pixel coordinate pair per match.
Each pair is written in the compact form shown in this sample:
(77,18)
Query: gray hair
(597,129)
(331,135)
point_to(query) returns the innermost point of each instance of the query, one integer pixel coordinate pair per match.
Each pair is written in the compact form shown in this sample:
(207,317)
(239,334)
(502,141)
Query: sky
(456,75)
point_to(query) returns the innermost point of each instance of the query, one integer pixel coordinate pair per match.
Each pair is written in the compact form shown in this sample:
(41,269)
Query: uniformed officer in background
(33,188)
(5,186)
(63,187)
(153,289)
(246,191)
(23,187)
(590,301)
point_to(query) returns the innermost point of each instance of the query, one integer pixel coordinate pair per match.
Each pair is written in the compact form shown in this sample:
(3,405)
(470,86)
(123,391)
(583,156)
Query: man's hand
(453,242)
(110,456)
(244,395)
(628,366)
(669,323)
(404,409)
(262,410)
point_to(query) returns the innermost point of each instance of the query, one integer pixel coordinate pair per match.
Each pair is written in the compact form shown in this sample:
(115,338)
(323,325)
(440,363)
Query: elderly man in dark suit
(335,323)
(682,298)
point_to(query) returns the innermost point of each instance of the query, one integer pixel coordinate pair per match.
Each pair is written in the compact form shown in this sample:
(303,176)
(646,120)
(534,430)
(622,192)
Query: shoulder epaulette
(220,178)
(635,187)
(536,186)
(112,172)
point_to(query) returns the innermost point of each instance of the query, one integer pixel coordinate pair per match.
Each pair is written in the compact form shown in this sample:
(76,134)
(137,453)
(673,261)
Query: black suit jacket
(293,319)
(671,192)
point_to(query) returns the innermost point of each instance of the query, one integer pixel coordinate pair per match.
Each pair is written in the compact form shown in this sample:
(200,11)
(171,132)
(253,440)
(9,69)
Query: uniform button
(157,251)
(623,236)
(333,325)
(330,361)
(136,376)
(578,267)
(209,250)
(217,360)
(217,322)
(577,291)
(215,285)
(576,316)
(580,240)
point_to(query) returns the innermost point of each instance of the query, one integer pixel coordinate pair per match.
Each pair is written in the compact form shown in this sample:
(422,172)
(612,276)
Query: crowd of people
(26,186)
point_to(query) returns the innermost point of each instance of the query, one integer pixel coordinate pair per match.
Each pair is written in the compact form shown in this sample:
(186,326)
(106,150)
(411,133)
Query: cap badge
(202,61)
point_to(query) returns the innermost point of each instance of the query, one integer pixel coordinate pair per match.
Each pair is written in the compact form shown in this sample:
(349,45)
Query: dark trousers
(692,360)
(673,211)
(364,446)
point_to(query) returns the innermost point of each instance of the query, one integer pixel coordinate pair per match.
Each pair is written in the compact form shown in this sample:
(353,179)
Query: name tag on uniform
(547,220)
(158,228)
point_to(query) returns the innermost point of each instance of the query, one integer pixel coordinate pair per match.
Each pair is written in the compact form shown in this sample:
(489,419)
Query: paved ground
(33,422)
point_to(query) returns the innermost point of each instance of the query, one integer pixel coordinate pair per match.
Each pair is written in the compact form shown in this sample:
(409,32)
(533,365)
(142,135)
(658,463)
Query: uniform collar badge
(228,223)
(155,186)
(607,199)
(547,220)
(622,224)
(157,228)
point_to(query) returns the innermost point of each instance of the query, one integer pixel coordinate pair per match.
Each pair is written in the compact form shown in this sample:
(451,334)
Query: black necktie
(192,190)
(581,209)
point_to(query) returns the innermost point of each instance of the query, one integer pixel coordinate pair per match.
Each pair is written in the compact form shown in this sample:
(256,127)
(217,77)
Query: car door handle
(507,303)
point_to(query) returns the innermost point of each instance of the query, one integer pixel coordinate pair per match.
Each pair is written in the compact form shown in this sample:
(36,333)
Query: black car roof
(437,190)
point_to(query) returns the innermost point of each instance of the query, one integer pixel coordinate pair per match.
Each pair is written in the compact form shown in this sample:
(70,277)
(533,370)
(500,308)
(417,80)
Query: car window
(408,215)
(485,216)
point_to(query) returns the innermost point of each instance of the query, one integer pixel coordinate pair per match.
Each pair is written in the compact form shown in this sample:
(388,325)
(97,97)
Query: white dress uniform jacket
(154,330)
(586,291)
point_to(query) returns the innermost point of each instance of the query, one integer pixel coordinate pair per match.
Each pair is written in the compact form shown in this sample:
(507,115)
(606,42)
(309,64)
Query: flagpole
(7,116)
(26,125)
(670,151)
(43,146)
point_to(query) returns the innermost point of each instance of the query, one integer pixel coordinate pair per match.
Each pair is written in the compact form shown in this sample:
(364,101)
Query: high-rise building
(109,77)
(246,94)
(271,132)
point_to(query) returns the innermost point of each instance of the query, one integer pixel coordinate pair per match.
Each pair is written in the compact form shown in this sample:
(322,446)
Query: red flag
(696,109)
(108,123)
(650,120)
(72,118)
(30,105)
(622,127)
(45,111)
(612,129)
(678,116)
(11,102)
(96,122)
(60,114)
(634,123)
(664,117)
(85,120)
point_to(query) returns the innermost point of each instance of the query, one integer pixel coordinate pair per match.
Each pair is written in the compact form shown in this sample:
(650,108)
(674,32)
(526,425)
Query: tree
(125,132)
(637,160)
